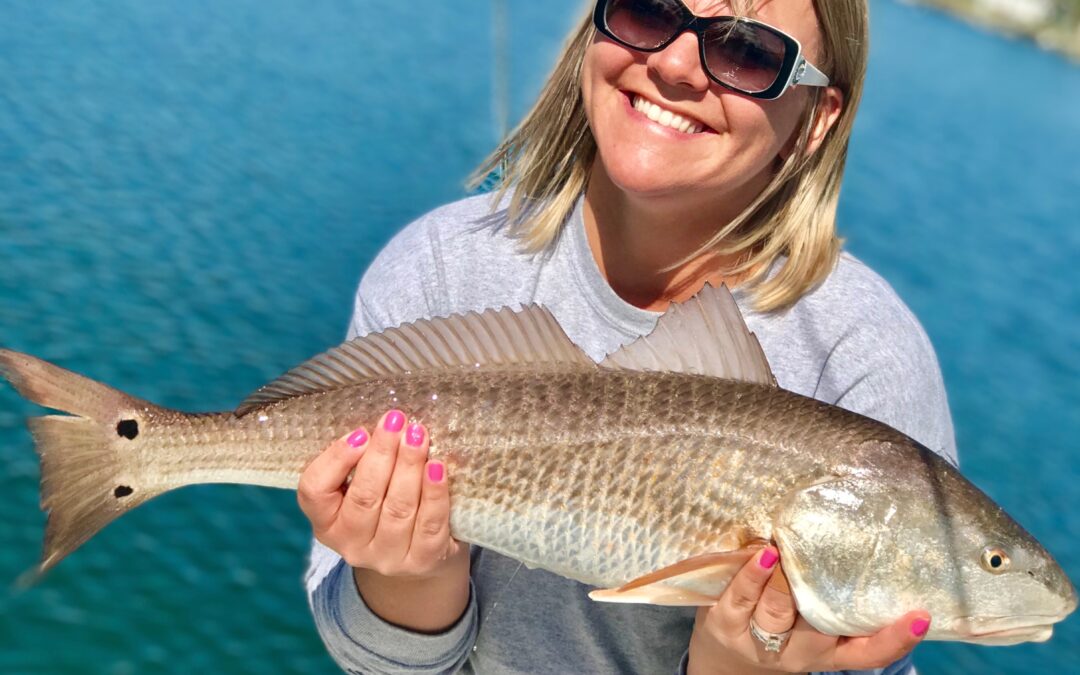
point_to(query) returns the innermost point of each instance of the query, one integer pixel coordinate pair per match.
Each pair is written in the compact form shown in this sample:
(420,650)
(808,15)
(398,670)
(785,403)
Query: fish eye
(995,560)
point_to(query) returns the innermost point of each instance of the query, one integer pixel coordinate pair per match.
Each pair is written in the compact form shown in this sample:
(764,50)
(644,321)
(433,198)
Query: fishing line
(495,603)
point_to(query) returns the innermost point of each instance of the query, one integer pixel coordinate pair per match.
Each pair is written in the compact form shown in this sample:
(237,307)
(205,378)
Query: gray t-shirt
(850,342)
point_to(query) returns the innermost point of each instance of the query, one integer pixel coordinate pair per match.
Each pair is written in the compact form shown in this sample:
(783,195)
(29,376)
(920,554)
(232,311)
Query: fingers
(364,499)
(759,590)
(431,533)
(394,516)
(740,599)
(395,528)
(320,490)
(884,647)
(775,611)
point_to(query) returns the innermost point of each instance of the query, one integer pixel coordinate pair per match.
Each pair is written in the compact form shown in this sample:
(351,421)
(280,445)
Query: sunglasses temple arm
(809,76)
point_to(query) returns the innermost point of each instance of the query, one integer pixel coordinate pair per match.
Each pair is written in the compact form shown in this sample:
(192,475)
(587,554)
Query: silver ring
(772,641)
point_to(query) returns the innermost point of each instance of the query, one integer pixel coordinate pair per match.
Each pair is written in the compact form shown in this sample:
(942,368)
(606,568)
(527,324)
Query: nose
(680,63)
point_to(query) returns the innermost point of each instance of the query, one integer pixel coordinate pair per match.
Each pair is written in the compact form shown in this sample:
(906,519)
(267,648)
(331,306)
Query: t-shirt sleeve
(884,366)
(361,642)
(403,283)
(400,285)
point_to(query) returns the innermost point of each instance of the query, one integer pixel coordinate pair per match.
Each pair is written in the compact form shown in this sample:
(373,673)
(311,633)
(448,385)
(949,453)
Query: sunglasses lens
(743,55)
(643,24)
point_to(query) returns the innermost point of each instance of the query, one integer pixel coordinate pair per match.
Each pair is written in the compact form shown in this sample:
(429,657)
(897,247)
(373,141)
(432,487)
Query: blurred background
(1054,24)
(189,193)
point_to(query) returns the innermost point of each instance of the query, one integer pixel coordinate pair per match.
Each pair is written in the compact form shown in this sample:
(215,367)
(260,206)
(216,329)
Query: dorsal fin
(704,335)
(495,337)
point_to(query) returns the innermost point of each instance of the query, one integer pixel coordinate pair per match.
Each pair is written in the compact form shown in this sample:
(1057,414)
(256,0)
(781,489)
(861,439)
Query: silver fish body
(604,475)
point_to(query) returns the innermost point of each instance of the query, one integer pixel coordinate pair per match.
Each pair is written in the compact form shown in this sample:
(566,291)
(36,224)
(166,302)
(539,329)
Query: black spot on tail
(122,491)
(129,429)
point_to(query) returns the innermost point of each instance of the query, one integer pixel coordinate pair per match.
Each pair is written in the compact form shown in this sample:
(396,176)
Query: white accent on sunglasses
(665,117)
(806,74)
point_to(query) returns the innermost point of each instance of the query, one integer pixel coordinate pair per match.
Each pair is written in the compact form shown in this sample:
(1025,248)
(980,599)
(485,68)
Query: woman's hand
(391,523)
(722,643)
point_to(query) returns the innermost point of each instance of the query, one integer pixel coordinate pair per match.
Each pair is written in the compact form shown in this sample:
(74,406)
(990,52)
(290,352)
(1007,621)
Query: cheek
(605,62)
(588,73)
(603,65)
(763,124)
(788,111)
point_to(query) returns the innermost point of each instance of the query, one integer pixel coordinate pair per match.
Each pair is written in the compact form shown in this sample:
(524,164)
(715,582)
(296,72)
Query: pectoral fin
(694,582)
(654,594)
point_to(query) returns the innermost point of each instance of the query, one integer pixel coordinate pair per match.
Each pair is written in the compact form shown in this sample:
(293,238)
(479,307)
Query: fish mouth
(1031,629)
(1013,636)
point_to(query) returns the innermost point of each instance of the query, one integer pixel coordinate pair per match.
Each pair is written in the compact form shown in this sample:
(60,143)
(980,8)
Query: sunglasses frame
(793,71)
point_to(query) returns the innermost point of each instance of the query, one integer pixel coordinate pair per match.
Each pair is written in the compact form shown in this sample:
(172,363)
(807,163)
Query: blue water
(190,191)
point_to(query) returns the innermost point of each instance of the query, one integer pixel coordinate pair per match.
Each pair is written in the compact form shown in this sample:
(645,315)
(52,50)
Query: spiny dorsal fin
(495,337)
(704,335)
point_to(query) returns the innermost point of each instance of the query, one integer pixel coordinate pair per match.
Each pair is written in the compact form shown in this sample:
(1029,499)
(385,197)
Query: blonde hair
(547,159)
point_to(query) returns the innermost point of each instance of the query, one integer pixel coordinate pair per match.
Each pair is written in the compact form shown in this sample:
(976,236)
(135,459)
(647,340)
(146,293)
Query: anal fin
(694,582)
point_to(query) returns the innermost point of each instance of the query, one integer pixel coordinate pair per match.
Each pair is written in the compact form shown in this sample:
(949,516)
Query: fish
(653,475)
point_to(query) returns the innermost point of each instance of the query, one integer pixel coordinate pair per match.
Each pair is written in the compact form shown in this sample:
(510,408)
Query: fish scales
(636,470)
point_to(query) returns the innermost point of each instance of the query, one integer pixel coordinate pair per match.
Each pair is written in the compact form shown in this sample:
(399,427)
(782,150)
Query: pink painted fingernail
(768,559)
(414,436)
(357,438)
(435,472)
(919,627)
(394,421)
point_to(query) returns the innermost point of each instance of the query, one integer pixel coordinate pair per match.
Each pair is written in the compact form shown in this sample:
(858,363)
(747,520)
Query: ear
(829,107)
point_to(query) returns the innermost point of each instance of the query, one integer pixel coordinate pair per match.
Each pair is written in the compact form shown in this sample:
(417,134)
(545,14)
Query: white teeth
(665,117)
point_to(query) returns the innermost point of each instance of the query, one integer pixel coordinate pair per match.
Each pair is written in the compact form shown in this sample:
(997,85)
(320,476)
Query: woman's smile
(657,114)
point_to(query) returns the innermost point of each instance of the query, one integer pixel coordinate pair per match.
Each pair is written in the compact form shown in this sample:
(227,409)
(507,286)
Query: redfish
(653,475)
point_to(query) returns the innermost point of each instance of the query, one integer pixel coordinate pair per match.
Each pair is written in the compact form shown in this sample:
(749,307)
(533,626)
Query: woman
(650,165)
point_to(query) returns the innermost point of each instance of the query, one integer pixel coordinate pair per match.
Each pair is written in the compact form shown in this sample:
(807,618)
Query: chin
(649,179)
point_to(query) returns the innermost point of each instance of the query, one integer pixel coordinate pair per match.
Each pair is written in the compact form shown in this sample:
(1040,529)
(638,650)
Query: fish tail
(85,482)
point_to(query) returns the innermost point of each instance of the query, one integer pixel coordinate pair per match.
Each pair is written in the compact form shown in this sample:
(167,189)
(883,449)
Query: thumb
(888,645)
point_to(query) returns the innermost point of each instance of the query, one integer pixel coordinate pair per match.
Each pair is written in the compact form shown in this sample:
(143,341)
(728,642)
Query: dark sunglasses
(738,53)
